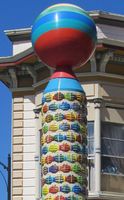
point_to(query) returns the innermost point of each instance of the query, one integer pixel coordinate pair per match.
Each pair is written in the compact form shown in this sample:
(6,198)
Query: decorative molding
(112,195)
(18,34)
(13,76)
(93,63)
(51,71)
(104,60)
(114,106)
(38,65)
(94,74)
(106,195)
(5,78)
(22,89)
(98,102)
(115,58)
(111,43)
(41,82)
(32,73)
(37,112)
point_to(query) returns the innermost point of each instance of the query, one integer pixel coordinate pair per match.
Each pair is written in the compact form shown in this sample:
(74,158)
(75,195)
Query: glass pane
(90,146)
(112,165)
(91,178)
(90,129)
(112,130)
(113,147)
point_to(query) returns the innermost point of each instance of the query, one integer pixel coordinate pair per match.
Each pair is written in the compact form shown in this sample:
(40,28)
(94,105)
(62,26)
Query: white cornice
(17,31)
(106,15)
(16,57)
(101,74)
(106,195)
(22,89)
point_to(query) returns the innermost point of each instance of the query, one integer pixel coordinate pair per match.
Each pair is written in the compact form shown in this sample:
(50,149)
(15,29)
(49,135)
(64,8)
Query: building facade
(103,81)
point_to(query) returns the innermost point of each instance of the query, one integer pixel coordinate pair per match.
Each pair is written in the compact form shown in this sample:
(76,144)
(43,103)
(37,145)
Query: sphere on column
(64,35)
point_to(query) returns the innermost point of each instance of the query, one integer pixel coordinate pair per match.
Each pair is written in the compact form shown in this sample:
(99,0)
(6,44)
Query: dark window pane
(112,130)
(91,177)
(90,146)
(112,147)
(112,165)
(90,134)
(90,129)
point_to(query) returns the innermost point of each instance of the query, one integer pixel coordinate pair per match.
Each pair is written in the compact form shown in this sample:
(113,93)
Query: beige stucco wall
(24,148)
(17,154)
(112,92)
(113,102)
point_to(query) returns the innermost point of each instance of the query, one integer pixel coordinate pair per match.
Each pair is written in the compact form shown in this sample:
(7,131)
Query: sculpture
(64,38)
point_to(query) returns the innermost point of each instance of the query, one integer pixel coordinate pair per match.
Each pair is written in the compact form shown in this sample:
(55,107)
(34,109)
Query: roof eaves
(18,34)
(111,42)
(106,15)
(16,59)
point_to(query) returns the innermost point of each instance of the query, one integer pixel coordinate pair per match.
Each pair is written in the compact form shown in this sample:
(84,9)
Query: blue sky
(21,14)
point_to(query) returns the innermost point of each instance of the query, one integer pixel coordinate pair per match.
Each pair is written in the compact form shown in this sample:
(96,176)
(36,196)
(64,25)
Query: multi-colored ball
(64,35)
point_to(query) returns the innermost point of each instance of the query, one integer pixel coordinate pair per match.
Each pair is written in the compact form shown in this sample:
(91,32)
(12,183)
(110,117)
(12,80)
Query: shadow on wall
(114,94)
(113,115)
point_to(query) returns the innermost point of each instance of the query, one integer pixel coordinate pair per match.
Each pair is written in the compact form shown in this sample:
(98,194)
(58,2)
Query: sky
(16,14)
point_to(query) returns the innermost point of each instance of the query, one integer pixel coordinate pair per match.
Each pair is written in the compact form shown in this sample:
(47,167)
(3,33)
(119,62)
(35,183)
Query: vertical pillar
(97,139)
(37,157)
(64,154)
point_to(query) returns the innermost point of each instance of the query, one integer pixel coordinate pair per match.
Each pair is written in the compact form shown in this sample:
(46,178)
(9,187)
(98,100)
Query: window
(112,148)
(90,137)
(91,178)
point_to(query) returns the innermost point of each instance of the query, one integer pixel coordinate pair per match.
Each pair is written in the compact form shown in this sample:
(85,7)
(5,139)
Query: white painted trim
(93,74)
(41,82)
(93,63)
(106,195)
(22,89)
(112,195)
(104,60)
(97,145)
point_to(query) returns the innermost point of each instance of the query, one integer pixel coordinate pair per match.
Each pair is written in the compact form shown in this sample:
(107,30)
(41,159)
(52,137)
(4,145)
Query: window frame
(111,156)
(91,155)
